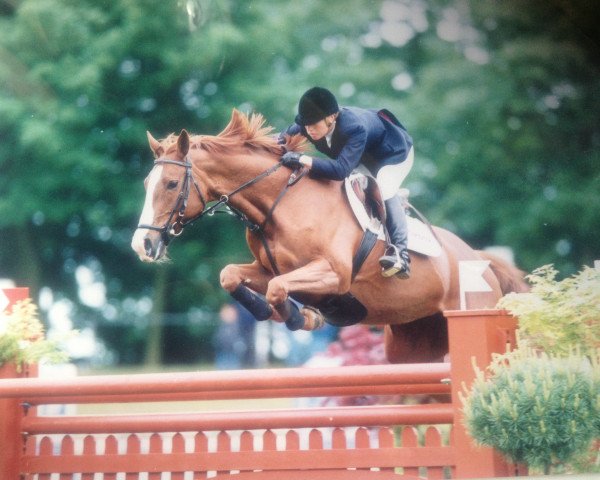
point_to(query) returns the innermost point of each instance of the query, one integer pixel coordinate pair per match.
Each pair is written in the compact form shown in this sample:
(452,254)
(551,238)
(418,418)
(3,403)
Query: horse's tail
(511,278)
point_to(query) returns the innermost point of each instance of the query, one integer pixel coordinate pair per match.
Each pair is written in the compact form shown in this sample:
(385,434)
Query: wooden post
(11,411)
(10,296)
(474,335)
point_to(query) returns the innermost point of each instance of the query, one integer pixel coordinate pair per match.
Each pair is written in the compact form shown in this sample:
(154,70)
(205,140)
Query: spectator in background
(229,344)
(247,328)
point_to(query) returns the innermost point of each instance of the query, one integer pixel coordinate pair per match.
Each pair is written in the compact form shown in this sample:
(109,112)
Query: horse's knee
(277,291)
(230,278)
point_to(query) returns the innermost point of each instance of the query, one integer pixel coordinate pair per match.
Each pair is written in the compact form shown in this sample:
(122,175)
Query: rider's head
(315,105)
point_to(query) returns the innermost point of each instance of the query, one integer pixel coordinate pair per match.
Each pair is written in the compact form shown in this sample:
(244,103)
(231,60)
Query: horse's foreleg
(252,275)
(317,277)
(234,279)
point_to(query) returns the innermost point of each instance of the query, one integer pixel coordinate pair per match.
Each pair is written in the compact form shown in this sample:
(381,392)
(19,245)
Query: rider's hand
(281,140)
(291,160)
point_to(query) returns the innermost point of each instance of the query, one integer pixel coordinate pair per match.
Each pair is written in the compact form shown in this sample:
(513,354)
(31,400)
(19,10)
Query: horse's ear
(183,143)
(155,145)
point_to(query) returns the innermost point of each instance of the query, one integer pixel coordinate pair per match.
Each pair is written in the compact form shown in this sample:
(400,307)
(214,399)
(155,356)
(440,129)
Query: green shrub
(556,316)
(534,408)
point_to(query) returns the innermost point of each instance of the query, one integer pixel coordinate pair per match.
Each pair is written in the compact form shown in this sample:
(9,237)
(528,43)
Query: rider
(351,136)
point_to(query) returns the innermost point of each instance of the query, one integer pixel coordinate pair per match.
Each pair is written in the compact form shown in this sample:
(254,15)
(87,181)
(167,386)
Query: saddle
(367,204)
(368,207)
(366,190)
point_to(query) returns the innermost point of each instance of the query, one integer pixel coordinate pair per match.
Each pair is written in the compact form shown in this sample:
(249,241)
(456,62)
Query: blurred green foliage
(558,316)
(502,99)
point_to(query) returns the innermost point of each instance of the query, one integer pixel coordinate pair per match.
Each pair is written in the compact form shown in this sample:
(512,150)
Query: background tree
(500,97)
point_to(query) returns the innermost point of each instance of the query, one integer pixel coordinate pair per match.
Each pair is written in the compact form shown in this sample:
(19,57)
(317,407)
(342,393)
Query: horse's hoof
(313,318)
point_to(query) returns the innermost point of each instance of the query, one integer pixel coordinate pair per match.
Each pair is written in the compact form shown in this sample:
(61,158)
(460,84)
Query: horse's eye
(172,184)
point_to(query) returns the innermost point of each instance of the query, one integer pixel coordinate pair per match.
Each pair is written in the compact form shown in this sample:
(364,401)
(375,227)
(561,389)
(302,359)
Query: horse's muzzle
(149,246)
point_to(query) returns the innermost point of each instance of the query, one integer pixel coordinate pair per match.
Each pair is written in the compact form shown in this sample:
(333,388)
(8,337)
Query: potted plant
(22,340)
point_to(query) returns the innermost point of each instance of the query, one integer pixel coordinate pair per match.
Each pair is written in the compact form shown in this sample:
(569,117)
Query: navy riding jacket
(373,138)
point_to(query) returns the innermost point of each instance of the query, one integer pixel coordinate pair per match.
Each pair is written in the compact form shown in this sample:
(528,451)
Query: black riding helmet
(316,104)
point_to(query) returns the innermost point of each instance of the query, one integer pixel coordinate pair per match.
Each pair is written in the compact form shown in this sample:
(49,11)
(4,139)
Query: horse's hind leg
(420,341)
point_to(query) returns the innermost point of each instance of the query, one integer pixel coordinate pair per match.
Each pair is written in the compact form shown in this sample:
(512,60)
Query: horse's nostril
(148,246)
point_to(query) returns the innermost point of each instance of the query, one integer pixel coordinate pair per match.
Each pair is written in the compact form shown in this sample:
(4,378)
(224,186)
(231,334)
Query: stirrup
(404,272)
(395,263)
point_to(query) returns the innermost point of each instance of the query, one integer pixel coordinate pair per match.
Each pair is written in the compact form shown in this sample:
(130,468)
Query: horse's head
(240,156)
(172,197)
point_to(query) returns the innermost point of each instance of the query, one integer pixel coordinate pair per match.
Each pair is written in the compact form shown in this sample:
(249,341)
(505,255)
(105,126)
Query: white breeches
(390,177)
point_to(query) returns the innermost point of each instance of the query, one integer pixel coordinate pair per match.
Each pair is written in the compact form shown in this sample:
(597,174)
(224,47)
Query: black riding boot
(396,260)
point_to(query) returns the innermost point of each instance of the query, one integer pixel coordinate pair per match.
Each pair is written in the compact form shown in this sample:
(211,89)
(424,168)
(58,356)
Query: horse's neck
(225,175)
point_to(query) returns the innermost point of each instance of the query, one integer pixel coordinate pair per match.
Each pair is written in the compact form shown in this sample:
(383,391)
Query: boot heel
(402,275)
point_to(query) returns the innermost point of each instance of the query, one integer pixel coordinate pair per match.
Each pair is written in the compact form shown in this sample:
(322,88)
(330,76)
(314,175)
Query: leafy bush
(22,339)
(536,409)
(556,316)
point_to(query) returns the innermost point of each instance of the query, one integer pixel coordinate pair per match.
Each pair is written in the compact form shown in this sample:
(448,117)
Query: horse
(303,236)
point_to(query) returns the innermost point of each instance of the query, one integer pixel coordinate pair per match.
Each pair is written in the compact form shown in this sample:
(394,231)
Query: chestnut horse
(303,236)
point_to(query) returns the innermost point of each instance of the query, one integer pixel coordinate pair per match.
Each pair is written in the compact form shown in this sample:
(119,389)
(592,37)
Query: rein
(173,229)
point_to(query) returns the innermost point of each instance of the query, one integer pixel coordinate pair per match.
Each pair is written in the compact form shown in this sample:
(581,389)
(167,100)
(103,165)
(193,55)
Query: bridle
(174,228)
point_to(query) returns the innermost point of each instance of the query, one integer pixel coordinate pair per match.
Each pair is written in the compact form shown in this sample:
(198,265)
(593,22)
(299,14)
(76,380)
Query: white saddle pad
(420,236)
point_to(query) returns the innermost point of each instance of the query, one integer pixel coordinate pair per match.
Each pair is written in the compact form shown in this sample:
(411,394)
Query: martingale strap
(295,177)
(364,249)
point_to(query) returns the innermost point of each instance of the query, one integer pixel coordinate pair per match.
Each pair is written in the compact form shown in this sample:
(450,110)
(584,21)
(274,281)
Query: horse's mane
(244,132)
